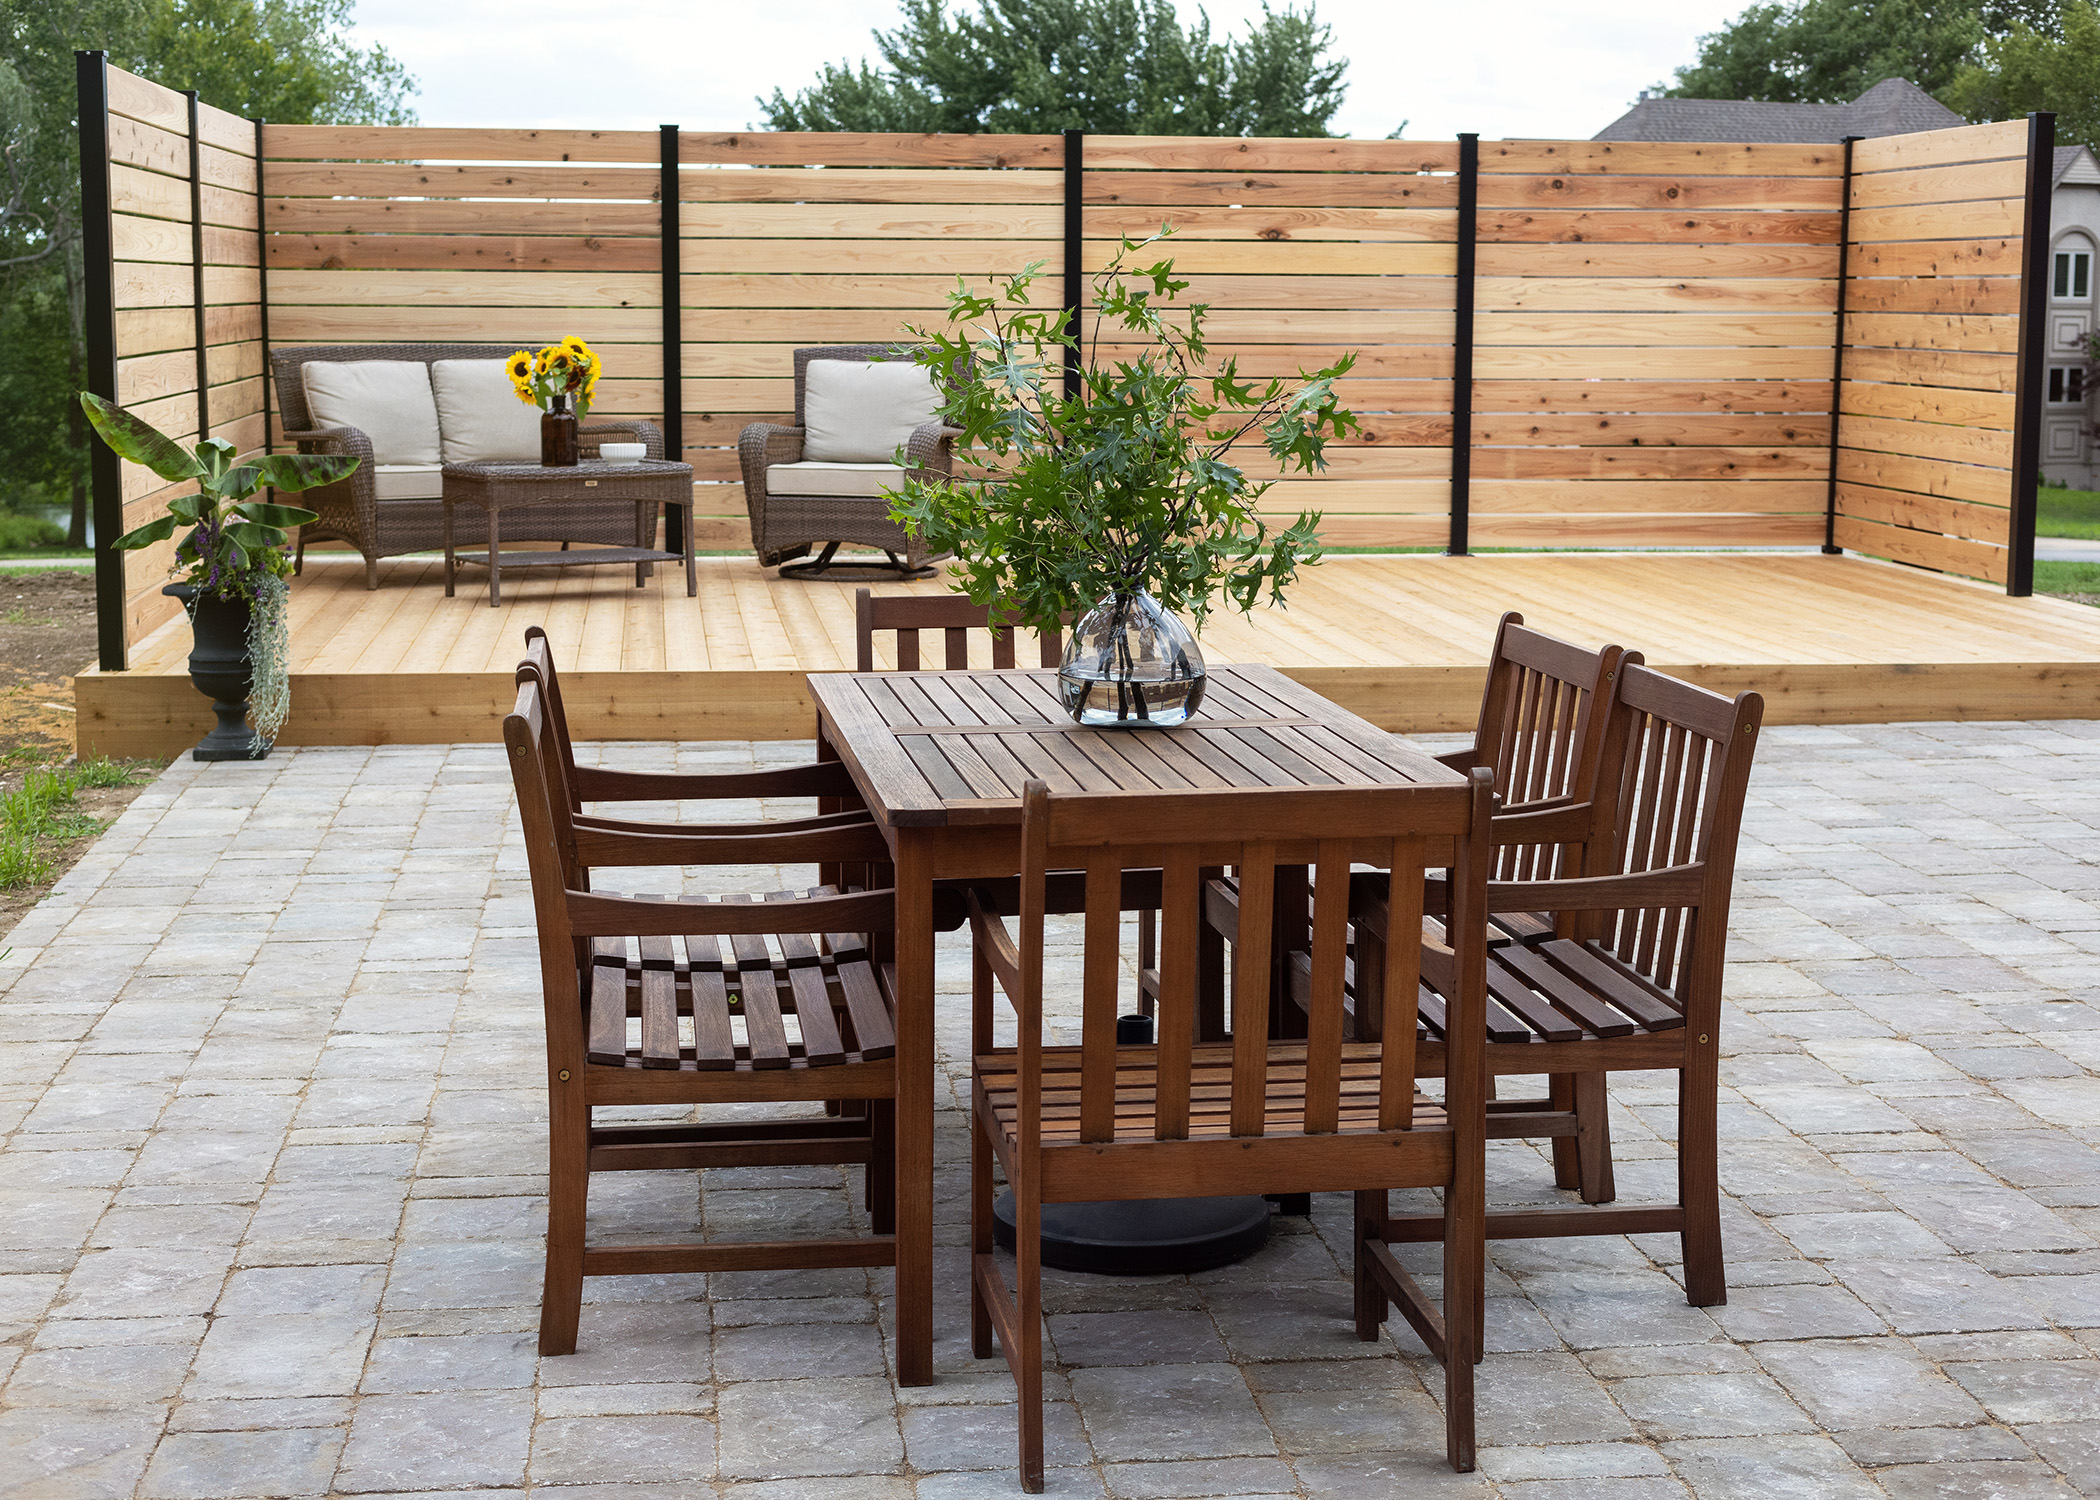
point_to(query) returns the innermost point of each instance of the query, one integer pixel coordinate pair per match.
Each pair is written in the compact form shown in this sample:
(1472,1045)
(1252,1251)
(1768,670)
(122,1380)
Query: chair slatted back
(1684,756)
(954,617)
(1208,1093)
(1541,733)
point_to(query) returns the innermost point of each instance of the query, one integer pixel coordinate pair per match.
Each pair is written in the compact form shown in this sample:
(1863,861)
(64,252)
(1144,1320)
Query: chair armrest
(1563,823)
(719,830)
(1460,760)
(1673,885)
(629,430)
(598,847)
(993,943)
(820,778)
(764,443)
(931,446)
(350,442)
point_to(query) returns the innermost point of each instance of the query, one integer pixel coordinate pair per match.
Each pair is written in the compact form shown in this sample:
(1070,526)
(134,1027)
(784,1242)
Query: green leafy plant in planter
(232,568)
(1119,505)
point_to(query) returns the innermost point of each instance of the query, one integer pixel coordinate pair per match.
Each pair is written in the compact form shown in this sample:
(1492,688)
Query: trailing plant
(1129,484)
(235,547)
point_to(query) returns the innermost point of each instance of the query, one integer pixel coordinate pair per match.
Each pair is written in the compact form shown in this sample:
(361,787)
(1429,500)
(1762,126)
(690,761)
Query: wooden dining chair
(644,1007)
(826,780)
(1631,980)
(955,617)
(1251,1115)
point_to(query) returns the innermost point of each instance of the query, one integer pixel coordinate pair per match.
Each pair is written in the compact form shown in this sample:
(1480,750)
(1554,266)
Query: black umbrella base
(1143,1237)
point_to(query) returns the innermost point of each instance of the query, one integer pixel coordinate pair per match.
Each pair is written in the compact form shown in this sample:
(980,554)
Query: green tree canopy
(1122,67)
(2029,69)
(1828,51)
(292,61)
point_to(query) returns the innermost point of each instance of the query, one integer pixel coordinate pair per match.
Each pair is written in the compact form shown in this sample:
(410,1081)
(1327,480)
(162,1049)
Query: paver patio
(271,1085)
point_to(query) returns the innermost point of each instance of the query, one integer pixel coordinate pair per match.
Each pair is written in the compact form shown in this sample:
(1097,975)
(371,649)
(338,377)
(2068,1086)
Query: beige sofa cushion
(860,412)
(408,481)
(480,418)
(388,400)
(866,481)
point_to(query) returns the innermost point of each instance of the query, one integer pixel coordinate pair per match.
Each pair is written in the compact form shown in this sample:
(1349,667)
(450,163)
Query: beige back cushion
(388,400)
(480,418)
(859,412)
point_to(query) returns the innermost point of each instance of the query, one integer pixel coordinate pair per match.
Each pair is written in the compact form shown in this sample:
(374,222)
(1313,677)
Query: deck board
(1400,639)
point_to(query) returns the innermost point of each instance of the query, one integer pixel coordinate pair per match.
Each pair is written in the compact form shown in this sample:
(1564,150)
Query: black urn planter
(220,669)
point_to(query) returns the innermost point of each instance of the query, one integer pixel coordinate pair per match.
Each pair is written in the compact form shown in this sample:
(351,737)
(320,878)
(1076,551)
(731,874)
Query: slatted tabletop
(937,749)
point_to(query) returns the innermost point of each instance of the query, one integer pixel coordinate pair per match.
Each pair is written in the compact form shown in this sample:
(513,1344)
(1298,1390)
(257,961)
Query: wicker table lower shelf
(499,487)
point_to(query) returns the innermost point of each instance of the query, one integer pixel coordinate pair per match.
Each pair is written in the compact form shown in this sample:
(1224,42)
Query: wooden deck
(1398,639)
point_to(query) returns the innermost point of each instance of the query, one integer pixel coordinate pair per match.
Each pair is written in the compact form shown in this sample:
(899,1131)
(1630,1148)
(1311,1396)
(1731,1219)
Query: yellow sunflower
(576,346)
(519,365)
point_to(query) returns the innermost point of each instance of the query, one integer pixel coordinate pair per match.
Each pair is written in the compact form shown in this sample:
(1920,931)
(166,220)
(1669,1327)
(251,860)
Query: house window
(2067,385)
(2074,274)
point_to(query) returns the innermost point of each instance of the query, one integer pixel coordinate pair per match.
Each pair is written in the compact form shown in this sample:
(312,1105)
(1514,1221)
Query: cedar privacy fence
(1559,343)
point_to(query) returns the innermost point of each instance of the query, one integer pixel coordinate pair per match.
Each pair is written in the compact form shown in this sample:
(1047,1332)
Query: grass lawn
(2072,513)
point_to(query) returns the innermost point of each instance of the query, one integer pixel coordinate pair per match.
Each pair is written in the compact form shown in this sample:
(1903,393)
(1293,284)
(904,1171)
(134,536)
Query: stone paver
(272,1186)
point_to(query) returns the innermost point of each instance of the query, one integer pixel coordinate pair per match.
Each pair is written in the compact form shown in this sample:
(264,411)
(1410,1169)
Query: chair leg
(1698,1179)
(1567,1153)
(882,1166)
(1148,956)
(1028,1359)
(1371,1306)
(568,1191)
(371,573)
(299,554)
(980,1236)
(1465,1271)
(1593,1138)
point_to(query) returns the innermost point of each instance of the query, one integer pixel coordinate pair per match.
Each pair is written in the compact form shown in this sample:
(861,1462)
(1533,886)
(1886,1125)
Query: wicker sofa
(786,524)
(386,513)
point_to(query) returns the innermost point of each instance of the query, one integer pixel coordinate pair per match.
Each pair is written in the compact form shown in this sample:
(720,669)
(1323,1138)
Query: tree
(1828,51)
(287,60)
(1122,67)
(2028,69)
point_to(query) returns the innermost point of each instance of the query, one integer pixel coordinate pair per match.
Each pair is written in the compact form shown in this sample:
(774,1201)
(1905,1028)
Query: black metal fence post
(1462,344)
(2034,344)
(1075,244)
(106,473)
(673,331)
(1837,350)
(262,288)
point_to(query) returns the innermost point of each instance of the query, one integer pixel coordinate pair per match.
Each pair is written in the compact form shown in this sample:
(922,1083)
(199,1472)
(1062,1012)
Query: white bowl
(623,453)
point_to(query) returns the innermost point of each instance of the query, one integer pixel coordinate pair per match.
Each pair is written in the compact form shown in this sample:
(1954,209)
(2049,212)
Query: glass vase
(1131,665)
(558,434)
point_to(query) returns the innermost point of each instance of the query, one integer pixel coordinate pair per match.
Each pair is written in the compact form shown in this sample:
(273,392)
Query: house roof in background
(2075,165)
(1894,106)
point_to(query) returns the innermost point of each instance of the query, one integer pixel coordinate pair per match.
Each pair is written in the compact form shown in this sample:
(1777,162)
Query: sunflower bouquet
(567,369)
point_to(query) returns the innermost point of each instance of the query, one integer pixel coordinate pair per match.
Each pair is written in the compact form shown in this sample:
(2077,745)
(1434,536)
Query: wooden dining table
(941,759)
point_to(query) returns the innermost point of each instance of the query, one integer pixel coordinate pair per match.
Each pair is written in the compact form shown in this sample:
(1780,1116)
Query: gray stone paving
(270,1174)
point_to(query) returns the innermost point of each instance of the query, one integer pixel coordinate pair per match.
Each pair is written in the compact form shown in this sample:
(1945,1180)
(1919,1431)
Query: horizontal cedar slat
(1406,225)
(1958,369)
(387,325)
(1657,294)
(1546,259)
(1958,333)
(1587,395)
(870,185)
(1621,190)
(1649,463)
(1508,362)
(150,147)
(1982,219)
(1638,226)
(456,216)
(146,284)
(441,143)
(1659,496)
(1928,404)
(589,254)
(1994,257)
(293,288)
(135,191)
(1946,294)
(1267,154)
(1988,446)
(223,130)
(1258,189)
(1932,148)
(1926,476)
(1590,530)
(225,169)
(430,180)
(144,100)
(2003,178)
(1593,429)
(1807,330)
(135,238)
(1228,293)
(1923,548)
(1983,523)
(704,395)
(1650,158)
(1225,327)
(848,149)
(888,221)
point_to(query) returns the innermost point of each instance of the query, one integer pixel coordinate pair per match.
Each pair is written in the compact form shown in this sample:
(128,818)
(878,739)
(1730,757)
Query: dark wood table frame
(941,759)
(498,487)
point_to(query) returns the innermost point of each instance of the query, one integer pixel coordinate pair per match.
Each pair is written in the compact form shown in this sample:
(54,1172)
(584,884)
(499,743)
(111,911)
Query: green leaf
(159,529)
(304,471)
(131,437)
(253,537)
(275,515)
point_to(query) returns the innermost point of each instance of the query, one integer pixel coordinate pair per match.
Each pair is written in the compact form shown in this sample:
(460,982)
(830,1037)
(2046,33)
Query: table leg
(447,504)
(642,539)
(495,568)
(914,1109)
(692,583)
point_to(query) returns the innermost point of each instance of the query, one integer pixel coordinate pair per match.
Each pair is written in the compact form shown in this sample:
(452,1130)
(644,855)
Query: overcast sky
(1518,68)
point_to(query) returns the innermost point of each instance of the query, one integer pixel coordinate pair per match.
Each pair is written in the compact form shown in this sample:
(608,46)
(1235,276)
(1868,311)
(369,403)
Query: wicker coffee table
(497,488)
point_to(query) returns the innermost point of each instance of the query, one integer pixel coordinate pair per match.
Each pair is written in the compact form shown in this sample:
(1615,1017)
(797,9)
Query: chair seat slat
(714,1040)
(659,1003)
(1603,977)
(608,1009)
(1564,991)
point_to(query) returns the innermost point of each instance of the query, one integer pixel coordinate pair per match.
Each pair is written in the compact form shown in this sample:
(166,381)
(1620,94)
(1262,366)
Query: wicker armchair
(785,527)
(351,510)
